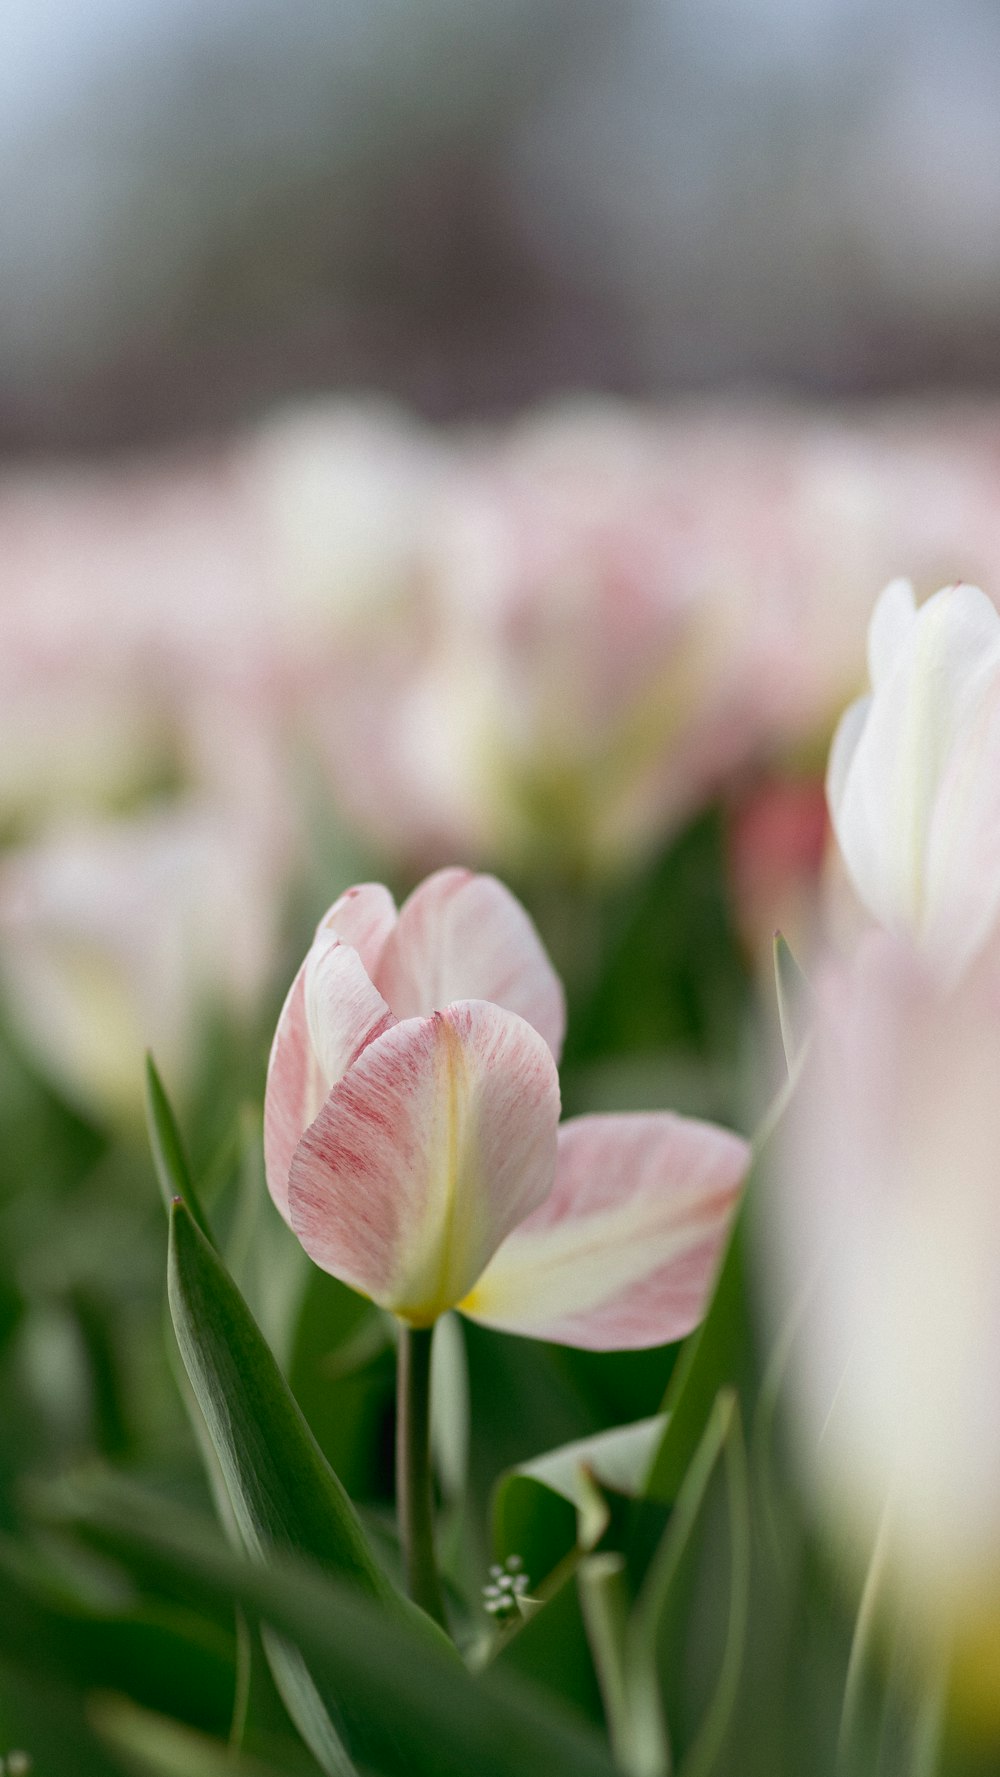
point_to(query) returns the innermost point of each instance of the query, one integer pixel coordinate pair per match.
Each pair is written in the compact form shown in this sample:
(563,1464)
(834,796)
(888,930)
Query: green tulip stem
(414,1493)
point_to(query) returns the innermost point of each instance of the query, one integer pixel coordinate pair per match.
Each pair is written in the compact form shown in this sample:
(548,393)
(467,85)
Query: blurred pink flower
(611,610)
(412,1139)
(170,619)
(126,609)
(578,680)
(811,511)
(547,645)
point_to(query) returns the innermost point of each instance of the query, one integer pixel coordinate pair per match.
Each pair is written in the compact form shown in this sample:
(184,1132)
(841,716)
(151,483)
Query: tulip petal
(623,1251)
(920,764)
(848,733)
(363,916)
(344,1011)
(437,1142)
(294,1093)
(891,622)
(963,845)
(461,937)
(332,1011)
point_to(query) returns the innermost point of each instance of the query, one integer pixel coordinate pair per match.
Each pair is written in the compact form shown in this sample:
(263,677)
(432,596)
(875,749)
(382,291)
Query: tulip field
(499,1082)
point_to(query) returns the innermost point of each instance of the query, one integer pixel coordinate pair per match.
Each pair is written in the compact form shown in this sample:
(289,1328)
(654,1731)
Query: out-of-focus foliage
(131,1640)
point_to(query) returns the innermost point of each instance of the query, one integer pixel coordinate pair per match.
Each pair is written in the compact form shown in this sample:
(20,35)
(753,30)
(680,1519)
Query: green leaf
(718,1354)
(619,1458)
(161,1654)
(539,1504)
(283,1491)
(604,1597)
(642,1722)
(550,1645)
(347,1408)
(169,1158)
(305,1704)
(47,1721)
(156,1746)
(529,1516)
(549,1511)
(413,1709)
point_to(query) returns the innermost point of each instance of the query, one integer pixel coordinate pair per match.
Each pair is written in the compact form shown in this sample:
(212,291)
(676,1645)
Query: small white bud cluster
(506,1585)
(16,1764)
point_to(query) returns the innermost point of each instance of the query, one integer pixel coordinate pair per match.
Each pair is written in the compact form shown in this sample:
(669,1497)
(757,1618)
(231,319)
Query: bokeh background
(207,209)
(210,208)
(433,432)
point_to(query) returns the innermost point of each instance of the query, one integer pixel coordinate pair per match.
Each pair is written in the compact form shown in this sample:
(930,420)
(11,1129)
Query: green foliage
(283,1492)
(169,1159)
(418,1711)
(678,1615)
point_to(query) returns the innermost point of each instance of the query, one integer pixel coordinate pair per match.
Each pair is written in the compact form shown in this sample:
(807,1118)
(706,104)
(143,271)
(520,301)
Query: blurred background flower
(124,936)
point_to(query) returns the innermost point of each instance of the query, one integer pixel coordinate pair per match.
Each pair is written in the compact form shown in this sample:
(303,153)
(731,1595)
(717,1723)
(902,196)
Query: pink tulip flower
(412,1135)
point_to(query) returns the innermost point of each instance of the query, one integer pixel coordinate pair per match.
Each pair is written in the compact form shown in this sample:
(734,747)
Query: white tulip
(116,936)
(914,775)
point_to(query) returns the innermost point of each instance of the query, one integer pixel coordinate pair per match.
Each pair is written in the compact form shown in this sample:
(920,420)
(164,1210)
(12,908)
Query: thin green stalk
(414,1495)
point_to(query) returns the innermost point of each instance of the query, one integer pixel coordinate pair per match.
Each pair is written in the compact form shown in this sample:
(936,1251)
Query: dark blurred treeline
(207,208)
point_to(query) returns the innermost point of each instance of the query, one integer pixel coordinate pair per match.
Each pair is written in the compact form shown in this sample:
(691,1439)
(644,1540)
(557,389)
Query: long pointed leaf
(169,1157)
(717,1355)
(415,1710)
(650,1753)
(283,1491)
(156,1746)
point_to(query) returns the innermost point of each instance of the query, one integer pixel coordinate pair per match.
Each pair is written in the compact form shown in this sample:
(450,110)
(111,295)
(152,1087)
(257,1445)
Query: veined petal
(331,1012)
(438,1141)
(363,916)
(295,1091)
(463,937)
(344,1011)
(623,1251)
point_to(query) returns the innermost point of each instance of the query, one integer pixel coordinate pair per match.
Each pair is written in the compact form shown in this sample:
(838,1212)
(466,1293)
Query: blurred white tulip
(118,936)
(914,774)
(341,494)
